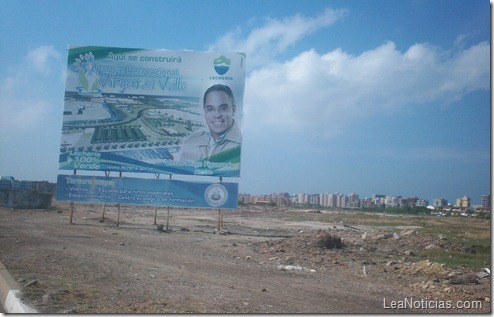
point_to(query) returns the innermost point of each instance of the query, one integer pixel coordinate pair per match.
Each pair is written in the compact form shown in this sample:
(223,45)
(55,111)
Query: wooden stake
(167,216)
(103,216)
(219,219)
(155,214)
(71,211)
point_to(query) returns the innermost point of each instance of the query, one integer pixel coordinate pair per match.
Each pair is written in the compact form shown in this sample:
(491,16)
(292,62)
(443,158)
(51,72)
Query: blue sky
(372,97)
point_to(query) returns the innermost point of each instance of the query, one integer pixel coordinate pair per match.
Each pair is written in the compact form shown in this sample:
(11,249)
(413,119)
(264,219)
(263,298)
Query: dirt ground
(263,260)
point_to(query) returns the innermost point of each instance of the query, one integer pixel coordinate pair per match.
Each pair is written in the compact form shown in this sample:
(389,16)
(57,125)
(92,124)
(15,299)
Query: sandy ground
(259,262)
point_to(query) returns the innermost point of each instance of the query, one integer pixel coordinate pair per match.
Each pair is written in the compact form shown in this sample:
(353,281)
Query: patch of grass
(452,259)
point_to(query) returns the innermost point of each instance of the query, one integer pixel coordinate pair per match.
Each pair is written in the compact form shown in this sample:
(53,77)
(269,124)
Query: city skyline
(476,200)
(349,96)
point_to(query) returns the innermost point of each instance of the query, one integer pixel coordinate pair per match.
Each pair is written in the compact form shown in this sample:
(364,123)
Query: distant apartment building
(332,200)
(393,201)
(366,203)
(10,183)
(486,202)
(439,202)
(282,199)
(7,182)
(342,201)
(379,200)
(302,199)
(315,200)
(463,202)
(324,198)
(353,201)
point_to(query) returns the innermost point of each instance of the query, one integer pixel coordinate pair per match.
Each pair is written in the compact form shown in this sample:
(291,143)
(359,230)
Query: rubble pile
(426,268)
(375,254)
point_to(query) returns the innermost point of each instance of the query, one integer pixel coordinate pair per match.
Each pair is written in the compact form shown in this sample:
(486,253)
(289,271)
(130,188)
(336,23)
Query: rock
(464,279)
(431,246)
(31,283)
(391,263)
(328,241)
(396,236)
(45,299)
(383,236)
(482,275)
(409,253)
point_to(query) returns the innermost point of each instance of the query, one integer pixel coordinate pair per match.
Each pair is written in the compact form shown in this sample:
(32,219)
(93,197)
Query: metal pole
(118,216)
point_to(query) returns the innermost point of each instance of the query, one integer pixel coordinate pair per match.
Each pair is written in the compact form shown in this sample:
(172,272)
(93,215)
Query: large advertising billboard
(153,111)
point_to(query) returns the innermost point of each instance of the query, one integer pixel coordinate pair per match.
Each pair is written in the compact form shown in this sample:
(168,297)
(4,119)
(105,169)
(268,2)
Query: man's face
(219,112)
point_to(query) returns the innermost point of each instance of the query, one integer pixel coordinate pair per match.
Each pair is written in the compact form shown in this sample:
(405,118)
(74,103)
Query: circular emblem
(216,195)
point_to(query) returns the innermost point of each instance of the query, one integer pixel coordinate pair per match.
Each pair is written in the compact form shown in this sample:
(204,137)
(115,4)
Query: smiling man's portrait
(222,134)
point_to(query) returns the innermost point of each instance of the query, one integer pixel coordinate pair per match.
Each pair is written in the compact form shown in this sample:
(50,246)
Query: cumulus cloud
(326,92)
(275,36)
(39,58)
(25,90)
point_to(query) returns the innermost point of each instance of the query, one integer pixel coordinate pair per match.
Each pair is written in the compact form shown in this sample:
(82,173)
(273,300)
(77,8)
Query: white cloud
(322,94)
(39,58)
(26,91)
(275,36)
(325,93)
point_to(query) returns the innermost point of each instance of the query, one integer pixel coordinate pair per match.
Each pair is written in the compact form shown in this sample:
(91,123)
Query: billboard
(138,191)
(153,111)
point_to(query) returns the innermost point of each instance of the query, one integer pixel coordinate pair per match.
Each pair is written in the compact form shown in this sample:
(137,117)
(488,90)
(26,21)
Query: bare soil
(263,260)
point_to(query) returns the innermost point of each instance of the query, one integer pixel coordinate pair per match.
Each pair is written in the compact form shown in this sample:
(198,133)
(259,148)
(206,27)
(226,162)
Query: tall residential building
(439,202)
(353,201)
(333,200)
(463,202)
(324,199)
(486,201)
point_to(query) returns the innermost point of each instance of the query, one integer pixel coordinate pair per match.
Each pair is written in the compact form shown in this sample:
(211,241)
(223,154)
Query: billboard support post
(103,216)
(167,216)
(71,211)
(118,215)
(220,220)
(155,214)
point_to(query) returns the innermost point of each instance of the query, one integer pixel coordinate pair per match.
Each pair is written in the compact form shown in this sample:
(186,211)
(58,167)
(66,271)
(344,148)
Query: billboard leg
(220,220)
(155,214)
(71,211)
(167,216)
(103,216)
(118,215)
